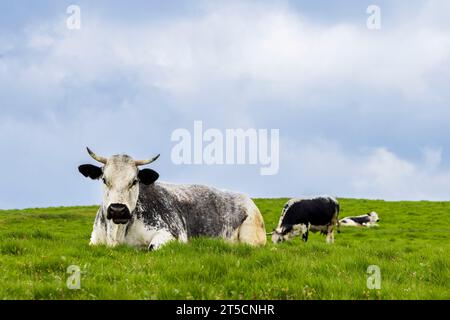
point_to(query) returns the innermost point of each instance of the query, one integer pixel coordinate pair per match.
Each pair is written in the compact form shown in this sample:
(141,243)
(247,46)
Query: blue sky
(361,113)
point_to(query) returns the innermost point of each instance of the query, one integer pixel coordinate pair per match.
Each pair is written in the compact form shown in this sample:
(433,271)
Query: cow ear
(91,171)
(148,176)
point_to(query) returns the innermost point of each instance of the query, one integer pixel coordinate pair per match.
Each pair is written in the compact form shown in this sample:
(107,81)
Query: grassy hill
(411,247)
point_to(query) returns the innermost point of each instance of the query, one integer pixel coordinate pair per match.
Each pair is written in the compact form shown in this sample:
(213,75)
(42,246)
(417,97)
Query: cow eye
(104,181)
(135,182)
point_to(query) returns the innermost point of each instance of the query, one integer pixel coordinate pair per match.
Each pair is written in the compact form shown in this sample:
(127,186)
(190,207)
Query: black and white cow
(366,220)
(299,216)
(139,211)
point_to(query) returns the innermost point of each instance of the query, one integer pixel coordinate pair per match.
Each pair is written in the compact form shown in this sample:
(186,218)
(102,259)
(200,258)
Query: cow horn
(144,162)
(96,157)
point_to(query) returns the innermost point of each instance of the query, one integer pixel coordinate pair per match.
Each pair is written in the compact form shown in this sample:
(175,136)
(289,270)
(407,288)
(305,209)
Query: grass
(411,247)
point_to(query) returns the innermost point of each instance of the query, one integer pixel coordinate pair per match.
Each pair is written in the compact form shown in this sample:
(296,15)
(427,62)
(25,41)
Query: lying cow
(138,211)
(299,216)
(366,220)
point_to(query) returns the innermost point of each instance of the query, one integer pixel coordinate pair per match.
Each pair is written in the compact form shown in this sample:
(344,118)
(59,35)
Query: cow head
(121,177)
(288,232)
(373,216)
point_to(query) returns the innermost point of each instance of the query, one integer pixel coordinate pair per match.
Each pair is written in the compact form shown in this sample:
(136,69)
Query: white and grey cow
(299,216)
(366,220)
(138,211)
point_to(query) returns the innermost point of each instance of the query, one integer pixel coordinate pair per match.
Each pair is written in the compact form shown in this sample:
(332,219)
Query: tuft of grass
(38,245)
(12,248)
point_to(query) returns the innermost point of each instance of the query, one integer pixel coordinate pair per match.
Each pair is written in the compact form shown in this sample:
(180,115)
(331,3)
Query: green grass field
(411,247)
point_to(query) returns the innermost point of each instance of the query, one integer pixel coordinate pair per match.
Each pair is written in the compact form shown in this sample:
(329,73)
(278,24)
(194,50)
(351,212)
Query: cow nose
(117,210)
(117,207)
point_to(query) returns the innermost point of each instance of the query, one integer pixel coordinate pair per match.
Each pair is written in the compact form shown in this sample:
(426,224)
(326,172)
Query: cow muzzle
(119,213)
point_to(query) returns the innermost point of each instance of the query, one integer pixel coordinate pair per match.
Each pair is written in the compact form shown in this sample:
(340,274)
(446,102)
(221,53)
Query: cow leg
(252,231)
(330,233)
(336,219)
(305,235)
(98,235)
(330,228)
(160,239)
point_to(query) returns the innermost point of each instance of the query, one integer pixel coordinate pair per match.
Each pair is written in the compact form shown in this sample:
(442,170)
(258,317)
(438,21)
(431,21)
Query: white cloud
(233,66)
(375,173)
(275,52)
(432,158)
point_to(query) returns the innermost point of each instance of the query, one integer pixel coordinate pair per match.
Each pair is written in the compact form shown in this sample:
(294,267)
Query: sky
(361,113)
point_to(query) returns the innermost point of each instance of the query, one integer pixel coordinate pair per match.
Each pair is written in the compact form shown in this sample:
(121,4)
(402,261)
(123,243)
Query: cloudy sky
(361,113)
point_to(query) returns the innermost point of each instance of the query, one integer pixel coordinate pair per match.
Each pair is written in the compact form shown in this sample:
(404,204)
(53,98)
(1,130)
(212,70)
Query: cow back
(318,211)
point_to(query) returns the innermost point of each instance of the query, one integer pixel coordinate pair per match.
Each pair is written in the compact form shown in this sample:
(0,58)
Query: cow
(138,211)
(366,220)
(299,216)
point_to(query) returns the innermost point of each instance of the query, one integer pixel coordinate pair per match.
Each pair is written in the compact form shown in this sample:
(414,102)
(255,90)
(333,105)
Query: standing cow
(299,216)
(139,211)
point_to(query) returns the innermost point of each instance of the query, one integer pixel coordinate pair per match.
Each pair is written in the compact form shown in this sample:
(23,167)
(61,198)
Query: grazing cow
(366,220)
(299,216)
(138,211)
